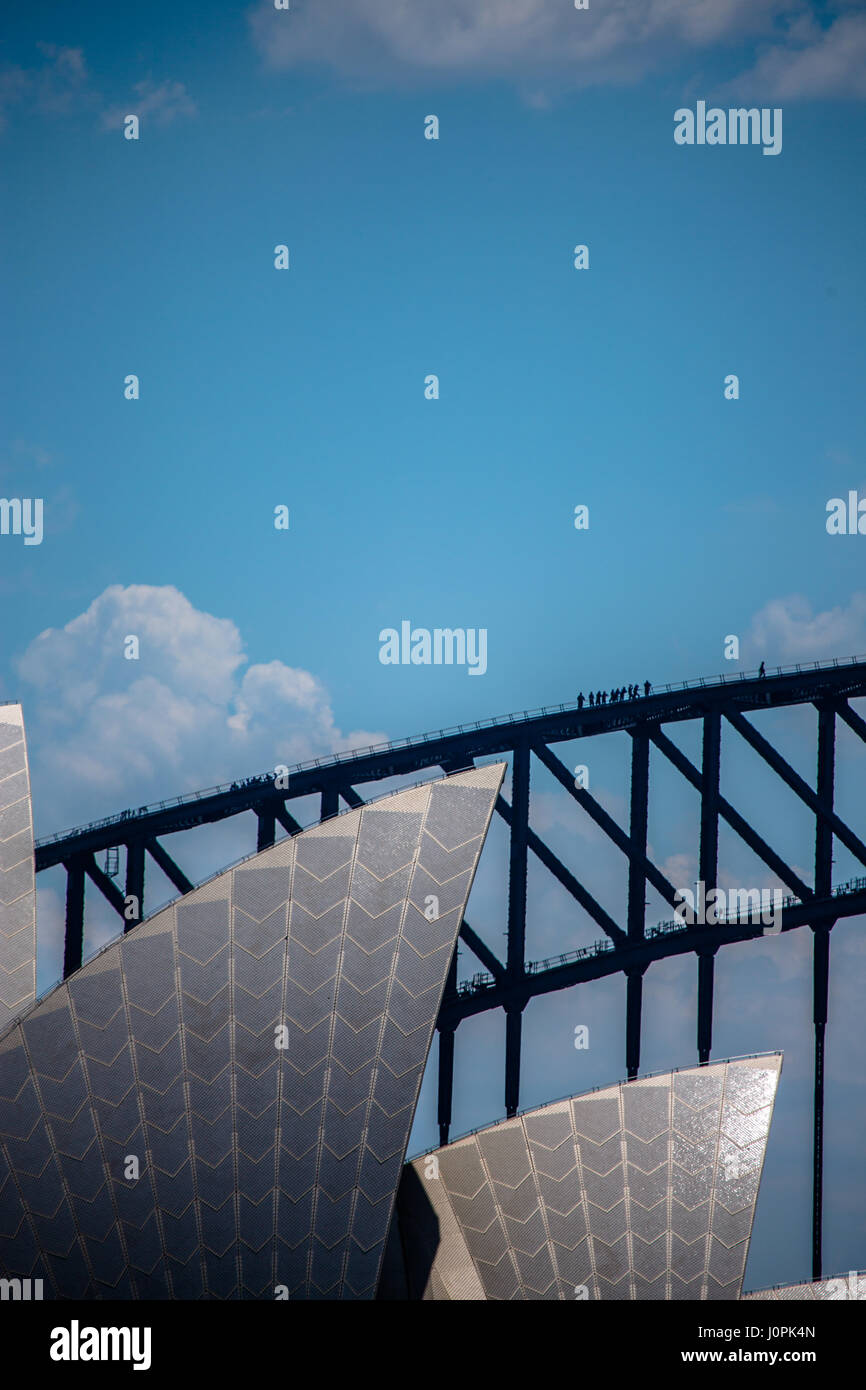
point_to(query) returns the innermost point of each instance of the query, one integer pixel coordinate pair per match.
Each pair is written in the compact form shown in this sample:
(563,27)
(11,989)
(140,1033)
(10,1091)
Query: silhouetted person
(646,687)
(580,700)
(604,697)
(762,670)
(591,700)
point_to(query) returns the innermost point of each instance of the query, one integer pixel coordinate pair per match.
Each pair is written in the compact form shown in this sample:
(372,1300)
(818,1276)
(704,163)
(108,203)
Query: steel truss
(629,948)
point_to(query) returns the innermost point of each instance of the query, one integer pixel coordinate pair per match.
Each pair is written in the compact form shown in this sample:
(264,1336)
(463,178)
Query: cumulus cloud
(106,732)
(787,630)
(522,39)
(813,63)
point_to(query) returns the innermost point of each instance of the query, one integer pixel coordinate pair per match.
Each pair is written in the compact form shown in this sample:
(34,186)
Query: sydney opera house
(219,1103)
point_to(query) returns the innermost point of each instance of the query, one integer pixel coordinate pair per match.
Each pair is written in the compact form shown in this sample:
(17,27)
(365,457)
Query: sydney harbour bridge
(626,946)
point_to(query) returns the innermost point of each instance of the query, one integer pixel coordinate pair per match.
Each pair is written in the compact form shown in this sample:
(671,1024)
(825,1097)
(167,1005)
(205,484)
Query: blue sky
(557,387)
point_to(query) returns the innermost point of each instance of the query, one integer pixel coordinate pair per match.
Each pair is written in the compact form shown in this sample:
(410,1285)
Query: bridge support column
(706,971)
(515,959)
(267,829)
(637,834)
(636,895)
(73,946)
(633,1001)
(134,881)
(821,976)
(513,1027)
(446,1081)
(821,966)
(708,870)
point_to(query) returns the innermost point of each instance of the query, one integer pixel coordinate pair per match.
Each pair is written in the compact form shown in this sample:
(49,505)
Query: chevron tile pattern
(17,888)
(645,1190)
(218,1105)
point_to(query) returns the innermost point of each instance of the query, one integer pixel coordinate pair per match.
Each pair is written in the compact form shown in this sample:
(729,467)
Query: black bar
(330,802)
(73,945)
(135,880)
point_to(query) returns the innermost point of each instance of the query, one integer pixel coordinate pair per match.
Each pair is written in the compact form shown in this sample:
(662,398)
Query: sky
(306,388)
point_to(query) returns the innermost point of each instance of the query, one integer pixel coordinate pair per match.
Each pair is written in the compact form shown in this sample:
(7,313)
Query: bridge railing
(482,979)
(418,740)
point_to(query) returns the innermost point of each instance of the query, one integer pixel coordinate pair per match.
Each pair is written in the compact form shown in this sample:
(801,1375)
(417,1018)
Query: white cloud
(813,63)
(106,732)
(522,39)
(786,631)
(61,84)
(55,86)
(163,103)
